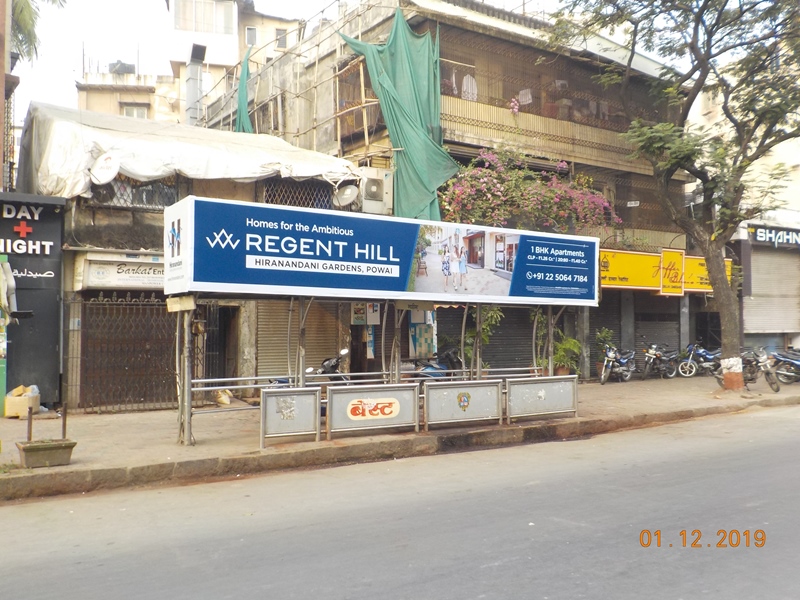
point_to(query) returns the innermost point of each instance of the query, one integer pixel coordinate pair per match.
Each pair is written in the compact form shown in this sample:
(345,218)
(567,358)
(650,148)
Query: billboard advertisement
(232,247)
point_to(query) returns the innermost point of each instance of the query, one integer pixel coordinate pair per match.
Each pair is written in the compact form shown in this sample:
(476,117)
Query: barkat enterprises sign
(224,246)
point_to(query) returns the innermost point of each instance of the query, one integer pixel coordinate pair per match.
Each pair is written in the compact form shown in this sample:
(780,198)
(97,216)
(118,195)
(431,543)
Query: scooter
(445,366)
(787,365)
(620,363)
(699,360)
(330,367)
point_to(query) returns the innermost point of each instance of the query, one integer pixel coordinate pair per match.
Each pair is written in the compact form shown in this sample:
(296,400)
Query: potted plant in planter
(46,453)
(602,337)
(566,351)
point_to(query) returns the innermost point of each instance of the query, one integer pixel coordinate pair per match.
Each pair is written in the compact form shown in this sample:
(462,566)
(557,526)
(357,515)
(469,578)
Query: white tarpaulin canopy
(60,145)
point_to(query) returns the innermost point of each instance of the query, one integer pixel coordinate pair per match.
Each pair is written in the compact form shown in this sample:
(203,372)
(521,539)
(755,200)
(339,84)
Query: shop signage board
(778,237)
(95,270)
(225,246)
(672,272)
(669,273)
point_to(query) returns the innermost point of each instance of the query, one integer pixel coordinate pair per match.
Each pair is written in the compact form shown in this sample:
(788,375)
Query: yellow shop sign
(630,270)
(672,272)
(669,273)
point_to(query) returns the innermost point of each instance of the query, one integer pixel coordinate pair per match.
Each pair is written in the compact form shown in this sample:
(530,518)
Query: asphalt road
(544,521)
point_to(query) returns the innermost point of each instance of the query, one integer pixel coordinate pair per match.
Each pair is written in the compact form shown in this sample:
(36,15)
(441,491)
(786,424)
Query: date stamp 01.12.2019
(725,538)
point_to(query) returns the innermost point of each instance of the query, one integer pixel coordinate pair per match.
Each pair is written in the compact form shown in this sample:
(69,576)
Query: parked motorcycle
(619,363)
(787,365)
(330,367)
(699,360)
(444,366)
(754,363)
(657,360)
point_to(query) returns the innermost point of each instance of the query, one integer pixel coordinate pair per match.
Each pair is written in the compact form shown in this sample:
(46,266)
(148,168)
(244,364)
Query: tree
(24,18)
(745,55)
(498,188)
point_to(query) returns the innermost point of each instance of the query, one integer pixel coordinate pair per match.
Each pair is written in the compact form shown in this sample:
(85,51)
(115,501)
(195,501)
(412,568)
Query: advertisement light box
(243,248)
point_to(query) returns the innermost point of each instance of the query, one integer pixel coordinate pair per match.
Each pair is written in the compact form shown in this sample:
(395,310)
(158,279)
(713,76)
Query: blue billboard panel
(240,247)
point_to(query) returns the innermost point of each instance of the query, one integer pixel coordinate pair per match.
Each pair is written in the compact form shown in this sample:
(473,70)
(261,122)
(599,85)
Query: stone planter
(45,453)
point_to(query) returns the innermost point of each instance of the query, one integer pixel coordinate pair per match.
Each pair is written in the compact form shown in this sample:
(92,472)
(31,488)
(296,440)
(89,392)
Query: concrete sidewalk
(117,450)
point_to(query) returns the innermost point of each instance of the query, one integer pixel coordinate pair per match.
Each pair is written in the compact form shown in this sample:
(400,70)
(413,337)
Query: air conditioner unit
(377,191)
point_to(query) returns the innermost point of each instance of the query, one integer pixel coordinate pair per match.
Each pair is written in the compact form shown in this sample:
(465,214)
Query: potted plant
(602,337)
(46,453)
(566,351)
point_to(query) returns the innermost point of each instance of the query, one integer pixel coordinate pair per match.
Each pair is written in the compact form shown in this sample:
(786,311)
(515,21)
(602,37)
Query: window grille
(124,192)
(280,38)
(304,194)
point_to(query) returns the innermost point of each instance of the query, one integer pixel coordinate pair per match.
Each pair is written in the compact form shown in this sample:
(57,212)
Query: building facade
(501,85)
(205,50)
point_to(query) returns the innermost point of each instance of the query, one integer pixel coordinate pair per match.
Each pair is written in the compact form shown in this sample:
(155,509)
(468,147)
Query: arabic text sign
(30,234)
(240,247)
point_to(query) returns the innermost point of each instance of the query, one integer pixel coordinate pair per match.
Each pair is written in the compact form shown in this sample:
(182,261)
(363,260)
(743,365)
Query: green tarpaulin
(243,123)
(405,76)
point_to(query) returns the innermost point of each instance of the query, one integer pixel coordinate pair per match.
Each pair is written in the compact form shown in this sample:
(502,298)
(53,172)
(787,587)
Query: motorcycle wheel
(720,379)
(627,374)
(772,380)
(783,368)
(646,370)
(605,374)
(670,370)
(687,368)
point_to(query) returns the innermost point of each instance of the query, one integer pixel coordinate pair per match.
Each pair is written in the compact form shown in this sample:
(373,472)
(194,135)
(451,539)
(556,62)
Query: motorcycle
(699,360)
(787,366)
(445,366)
(754,363)
(620,363)
(658,360)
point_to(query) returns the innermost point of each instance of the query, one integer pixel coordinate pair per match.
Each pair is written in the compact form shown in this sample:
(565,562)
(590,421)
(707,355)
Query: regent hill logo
(223,239)
(175,239)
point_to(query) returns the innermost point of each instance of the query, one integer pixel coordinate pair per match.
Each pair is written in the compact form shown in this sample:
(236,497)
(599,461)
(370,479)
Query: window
(208,16)
(280,38)
(250,37)
(137,112)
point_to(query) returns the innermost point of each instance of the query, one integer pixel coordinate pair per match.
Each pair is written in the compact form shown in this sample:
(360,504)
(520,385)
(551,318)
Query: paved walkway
(116,450)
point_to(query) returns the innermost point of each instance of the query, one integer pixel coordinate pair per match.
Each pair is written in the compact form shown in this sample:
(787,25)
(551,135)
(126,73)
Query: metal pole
(187,439)
(478,341)
(301,344)
(550,333)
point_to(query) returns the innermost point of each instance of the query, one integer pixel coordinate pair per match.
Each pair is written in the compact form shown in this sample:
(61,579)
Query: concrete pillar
(684,324)
(627,335)
(583,335)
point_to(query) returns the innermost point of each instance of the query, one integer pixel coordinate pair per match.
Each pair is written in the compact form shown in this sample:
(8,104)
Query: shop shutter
(774,306)
(274,349)
(509,346)
(656,328)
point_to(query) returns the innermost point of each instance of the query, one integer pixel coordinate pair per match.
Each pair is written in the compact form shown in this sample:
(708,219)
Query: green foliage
(491,315)
(566,351)
(24,18)
(737,64)
(602,337)
(498,187)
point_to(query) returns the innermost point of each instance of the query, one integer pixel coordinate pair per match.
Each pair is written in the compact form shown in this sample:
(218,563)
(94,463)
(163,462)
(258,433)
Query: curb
(41,483)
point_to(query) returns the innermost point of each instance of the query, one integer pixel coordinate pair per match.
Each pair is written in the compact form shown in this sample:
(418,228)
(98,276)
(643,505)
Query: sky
(109,30)
(126,30)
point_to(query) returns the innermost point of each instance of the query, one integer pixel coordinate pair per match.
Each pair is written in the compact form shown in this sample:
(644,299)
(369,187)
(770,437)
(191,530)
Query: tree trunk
(727,299)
